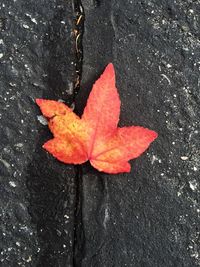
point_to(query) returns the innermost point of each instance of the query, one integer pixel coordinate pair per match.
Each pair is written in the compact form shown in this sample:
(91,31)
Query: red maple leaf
(95,136)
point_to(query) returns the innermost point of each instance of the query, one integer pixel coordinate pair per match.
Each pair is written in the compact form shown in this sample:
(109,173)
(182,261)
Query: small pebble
(18,244)
(184,157)
(25,26)
(42,120)
(13,184)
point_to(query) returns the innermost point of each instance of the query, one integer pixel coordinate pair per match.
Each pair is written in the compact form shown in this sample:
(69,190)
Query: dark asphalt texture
(55,215)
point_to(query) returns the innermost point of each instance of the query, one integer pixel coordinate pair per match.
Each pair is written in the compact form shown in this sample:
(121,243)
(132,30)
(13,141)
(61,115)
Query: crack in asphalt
(78,241)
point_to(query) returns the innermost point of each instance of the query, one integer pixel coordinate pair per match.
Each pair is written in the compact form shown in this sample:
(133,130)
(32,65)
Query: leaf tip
(50,108)
(154,135)
(110,69)
(44,145)
(38,101)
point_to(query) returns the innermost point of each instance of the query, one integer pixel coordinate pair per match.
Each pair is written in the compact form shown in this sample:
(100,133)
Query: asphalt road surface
(56,215)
